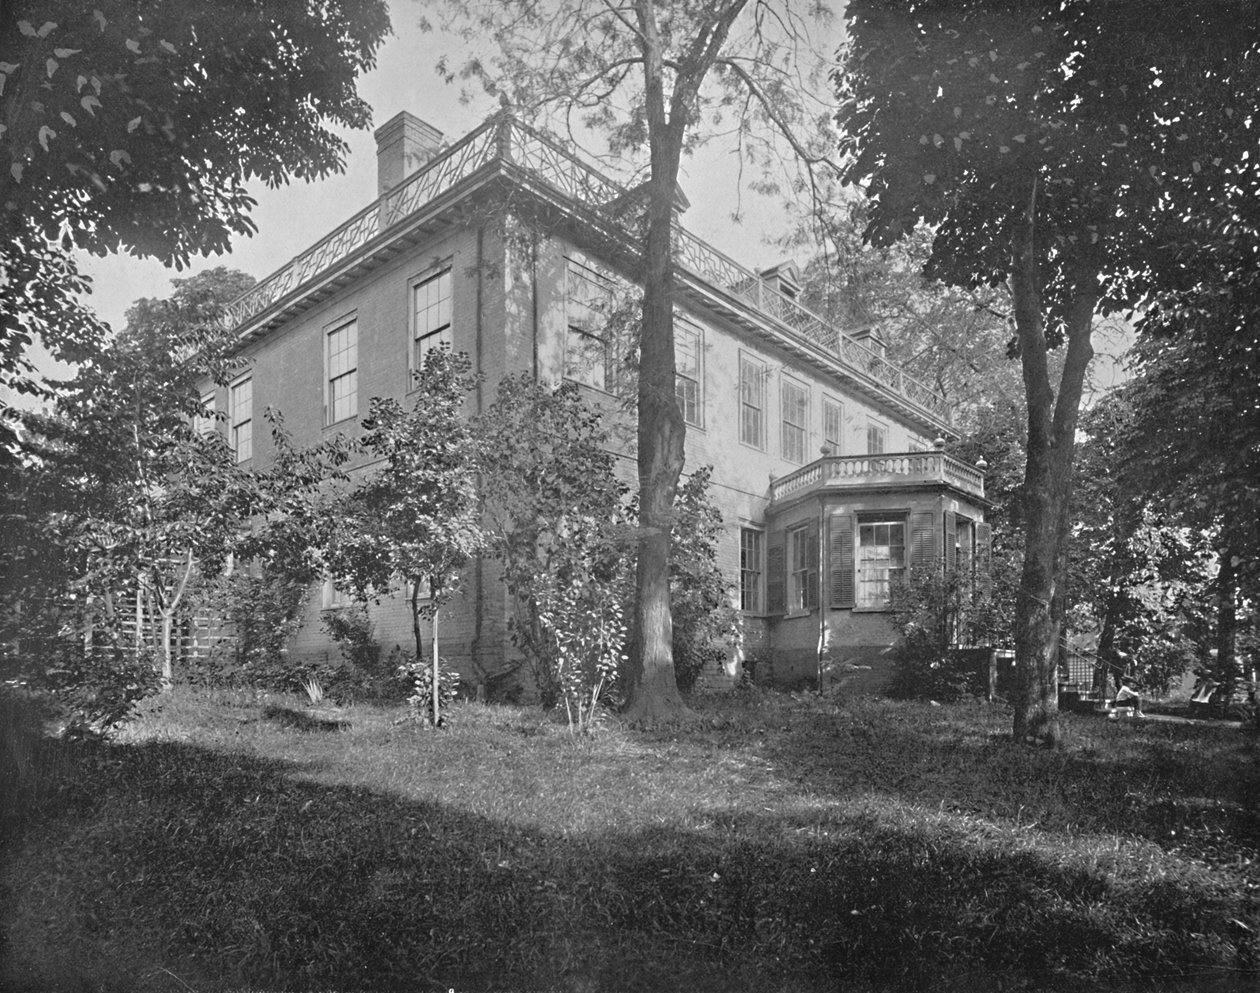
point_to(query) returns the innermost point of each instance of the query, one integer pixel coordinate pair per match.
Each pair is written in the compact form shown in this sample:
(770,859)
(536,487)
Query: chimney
(404,144)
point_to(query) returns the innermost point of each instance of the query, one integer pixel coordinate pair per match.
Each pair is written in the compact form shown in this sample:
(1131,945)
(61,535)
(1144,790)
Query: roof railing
(502,139)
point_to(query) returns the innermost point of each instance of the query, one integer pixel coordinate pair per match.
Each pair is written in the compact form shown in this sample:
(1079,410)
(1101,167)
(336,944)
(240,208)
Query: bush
(706,626)
(935,612)
(362,672)
(89,690)
(417,674)
(259,615)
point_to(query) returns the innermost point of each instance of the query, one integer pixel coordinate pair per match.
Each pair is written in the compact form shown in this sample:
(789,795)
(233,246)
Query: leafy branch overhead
(136,126)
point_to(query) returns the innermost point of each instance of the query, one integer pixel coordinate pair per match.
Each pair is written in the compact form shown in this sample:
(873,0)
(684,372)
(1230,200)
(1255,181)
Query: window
(241,419)
(688,379)
(752,402)
(803,568)
(881,560)
(795,402)
(750,559)
(335,598)
(876,438)
(342,363)
(430,315)
(833,425)
(206,422)
(588,304)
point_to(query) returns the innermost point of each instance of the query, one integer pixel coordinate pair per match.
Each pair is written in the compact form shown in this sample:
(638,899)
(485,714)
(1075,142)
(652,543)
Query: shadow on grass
(158,865)
(1180,786)
(296,720)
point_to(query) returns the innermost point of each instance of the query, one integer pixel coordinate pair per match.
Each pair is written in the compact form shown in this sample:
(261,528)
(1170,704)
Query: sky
(296,216)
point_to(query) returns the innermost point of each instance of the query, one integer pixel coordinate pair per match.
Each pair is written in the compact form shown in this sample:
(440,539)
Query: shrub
(417,674)
(706,625)
(935,612)
(361,672)
(89,690)
(258,616)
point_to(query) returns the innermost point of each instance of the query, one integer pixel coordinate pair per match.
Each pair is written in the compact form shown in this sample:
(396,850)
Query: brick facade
(508,312)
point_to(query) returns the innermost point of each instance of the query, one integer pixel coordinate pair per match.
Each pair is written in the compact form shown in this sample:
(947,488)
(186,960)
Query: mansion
(828,461)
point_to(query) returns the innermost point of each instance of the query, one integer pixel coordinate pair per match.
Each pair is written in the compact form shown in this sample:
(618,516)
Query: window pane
(750,570)
(833,425)
(343,378)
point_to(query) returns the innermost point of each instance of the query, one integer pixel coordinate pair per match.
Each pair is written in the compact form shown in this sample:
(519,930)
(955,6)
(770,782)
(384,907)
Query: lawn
(783,843)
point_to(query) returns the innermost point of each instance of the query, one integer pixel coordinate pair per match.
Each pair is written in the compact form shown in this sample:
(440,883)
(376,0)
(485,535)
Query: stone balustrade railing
(908,468)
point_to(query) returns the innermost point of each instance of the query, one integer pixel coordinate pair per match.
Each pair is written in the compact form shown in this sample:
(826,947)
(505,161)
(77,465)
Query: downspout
(533,298)
(823,601)
(479,588)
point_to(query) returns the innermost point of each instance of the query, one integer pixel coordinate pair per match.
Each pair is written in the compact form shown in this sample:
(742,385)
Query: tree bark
(1226,669)
(1047,483)
(653,688)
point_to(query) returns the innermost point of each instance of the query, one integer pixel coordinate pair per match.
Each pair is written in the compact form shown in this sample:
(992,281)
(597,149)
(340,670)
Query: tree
(139,497)
(416,517)
(135,126)
(135,497)
(554,512)
(635,74)
(1061,148)
(1194,439)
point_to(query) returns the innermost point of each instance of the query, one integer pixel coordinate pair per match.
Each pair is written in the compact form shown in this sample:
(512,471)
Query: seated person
(1128,698)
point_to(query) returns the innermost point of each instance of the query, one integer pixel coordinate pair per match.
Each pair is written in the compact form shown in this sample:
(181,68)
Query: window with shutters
(833,425)
(881,560)
(803,568)
(750,569)
(752,402)
(876,437)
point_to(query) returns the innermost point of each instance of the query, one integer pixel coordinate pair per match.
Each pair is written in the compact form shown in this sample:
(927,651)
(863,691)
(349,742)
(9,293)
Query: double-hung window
(588,306)
(751,544)
(752,402)
(241,418)
(430,315)
(802,577)
(833,425)
(881,560)
(688,380)
(342,363)
(795,426)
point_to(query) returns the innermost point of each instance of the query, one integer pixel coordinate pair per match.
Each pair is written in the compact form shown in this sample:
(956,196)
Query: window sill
(792,615)
(869,610)
(349,418)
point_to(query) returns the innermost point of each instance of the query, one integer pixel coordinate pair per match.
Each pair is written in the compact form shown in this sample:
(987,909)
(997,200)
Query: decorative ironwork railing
(862,470)
(501,140)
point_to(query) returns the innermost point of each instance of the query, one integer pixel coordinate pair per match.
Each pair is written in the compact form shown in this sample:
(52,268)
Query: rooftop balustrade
(503,141)
(866,471)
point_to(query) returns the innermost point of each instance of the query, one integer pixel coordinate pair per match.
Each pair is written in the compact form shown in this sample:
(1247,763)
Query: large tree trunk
(1227,670)
(1047,485)
(653,691)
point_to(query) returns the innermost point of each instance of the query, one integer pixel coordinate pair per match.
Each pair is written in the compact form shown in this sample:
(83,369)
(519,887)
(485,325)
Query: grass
(226,841)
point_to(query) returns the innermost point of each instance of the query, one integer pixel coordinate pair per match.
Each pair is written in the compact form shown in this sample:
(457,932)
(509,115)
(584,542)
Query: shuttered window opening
(776,573)
(840,560)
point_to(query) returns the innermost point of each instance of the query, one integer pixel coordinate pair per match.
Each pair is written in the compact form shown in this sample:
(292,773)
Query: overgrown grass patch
(779,843)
